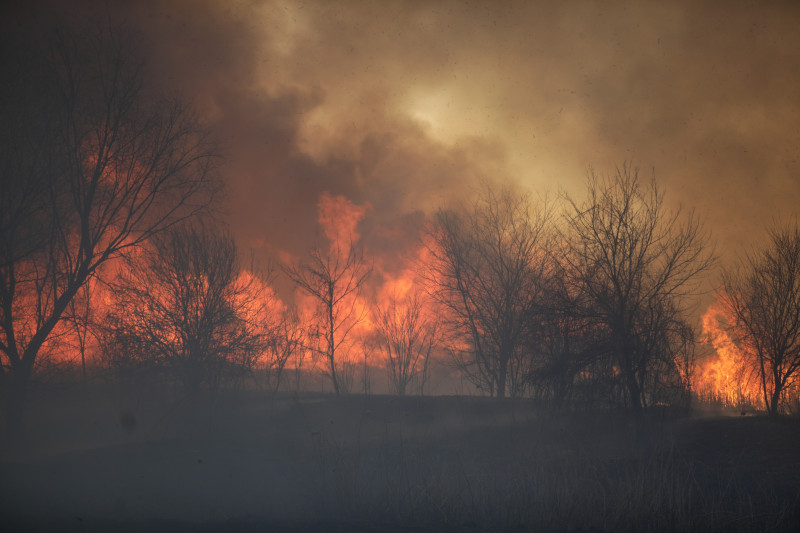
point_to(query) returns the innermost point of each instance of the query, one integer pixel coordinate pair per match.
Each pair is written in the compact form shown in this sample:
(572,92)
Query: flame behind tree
(407,334)
(487,267)
(333,280)
(93,165)
(763,300)
(285,342)
(183,305)
(728,376)
(81,317)
(635,262)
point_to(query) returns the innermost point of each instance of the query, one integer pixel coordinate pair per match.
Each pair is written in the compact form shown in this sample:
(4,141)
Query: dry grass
(400,464)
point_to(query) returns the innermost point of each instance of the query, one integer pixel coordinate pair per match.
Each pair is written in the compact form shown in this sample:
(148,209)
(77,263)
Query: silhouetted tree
(635,262)
(283,341)
(407,335)
(565,343)
(488,268)
(184,304)
(367,349)
(334,280)
(763,299)
(92,165)
(80,315)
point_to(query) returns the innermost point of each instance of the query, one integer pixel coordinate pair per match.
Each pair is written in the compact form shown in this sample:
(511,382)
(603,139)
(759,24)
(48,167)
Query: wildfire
(726,376)
(394,283)
(394,279)
(339,219)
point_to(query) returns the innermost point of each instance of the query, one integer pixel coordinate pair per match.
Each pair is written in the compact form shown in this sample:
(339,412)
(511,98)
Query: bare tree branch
(763,299)
(488,270)
(102,166)
(185,305)
(334,280)
(407,334)
(635,263)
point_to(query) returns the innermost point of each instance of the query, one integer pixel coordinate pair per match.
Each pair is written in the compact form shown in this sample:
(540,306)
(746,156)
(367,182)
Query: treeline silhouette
(105,237)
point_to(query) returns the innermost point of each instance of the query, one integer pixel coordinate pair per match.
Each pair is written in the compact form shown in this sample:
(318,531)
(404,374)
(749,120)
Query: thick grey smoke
(405,105)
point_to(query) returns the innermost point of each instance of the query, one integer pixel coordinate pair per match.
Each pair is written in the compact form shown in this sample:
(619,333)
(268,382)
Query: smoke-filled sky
(403,106)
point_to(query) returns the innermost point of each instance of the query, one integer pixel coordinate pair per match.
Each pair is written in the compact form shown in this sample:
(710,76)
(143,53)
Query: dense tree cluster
(490,264)
(587,309)
(92,165)
(184,304)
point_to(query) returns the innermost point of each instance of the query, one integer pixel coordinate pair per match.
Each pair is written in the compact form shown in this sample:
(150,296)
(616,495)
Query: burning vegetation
(360,359)
(114,259)
(727,375)
(755,327)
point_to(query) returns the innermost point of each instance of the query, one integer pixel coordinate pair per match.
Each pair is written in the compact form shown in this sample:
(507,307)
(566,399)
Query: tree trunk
(333,373)
(332,339)
(501,378)
(634,393)
(774,401)
(18,386)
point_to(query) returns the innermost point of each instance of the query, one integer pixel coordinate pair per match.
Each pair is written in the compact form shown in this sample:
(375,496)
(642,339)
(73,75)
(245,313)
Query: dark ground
(112,459)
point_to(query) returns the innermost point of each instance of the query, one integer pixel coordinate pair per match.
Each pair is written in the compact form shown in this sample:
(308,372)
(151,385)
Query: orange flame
(727,375)
(339,218)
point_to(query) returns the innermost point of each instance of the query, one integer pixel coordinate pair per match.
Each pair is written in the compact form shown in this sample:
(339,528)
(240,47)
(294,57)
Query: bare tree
(299,362)
(488,267)
(334,280)
(80,315)
(565,344)
(763,299)
(636,263)
(407,335)
(284,341)
(111,166)
(367,349)
(184,305)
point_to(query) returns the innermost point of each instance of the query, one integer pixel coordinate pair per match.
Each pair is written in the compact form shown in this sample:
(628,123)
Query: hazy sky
(402,106)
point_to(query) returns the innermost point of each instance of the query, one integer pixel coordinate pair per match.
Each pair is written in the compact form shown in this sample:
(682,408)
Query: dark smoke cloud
(406,105)
(306,101)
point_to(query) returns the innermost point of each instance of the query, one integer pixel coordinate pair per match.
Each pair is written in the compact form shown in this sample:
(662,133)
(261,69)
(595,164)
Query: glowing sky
(402,106)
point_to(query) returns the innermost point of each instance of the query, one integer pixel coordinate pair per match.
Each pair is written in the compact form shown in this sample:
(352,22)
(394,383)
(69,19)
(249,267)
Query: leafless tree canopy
(92,165)
(634,261)
(81,317)
(334,280)
(566,345)
(285,339)
(407,335)
(184,304)
(488,270)
(763,299)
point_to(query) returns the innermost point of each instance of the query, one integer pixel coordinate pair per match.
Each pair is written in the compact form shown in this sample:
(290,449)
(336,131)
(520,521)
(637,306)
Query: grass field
(104,459)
